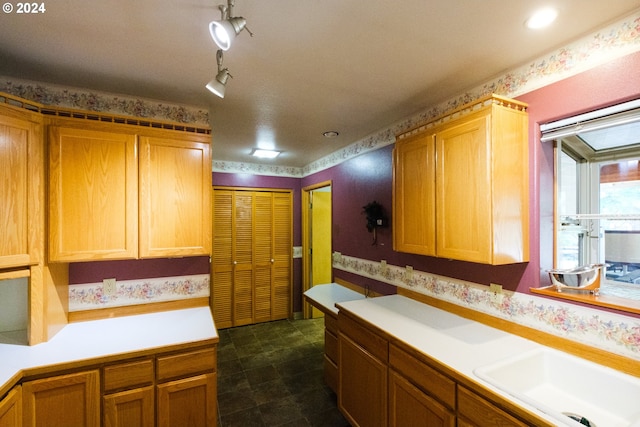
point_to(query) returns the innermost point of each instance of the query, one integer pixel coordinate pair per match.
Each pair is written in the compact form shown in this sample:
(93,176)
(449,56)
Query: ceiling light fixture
(330,134)
(219,83)
(265,154)
(224,31)
(542,18)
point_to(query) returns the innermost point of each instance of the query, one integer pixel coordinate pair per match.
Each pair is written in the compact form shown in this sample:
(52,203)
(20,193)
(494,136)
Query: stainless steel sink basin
(558,383)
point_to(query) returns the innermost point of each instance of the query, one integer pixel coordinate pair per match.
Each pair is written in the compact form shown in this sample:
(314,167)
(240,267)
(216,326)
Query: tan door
(320,239)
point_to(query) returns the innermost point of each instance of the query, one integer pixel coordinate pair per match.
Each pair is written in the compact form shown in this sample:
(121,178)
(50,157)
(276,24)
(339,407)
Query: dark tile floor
(270,374)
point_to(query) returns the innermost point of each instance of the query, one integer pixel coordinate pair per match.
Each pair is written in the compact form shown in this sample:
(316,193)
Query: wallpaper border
(610,331)
(91,296)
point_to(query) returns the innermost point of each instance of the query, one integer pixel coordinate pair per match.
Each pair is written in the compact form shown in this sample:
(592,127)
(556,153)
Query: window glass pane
(570,235)
(620,194)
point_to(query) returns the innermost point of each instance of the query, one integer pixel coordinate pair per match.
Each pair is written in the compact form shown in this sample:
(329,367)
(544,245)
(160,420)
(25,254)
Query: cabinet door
(474,411)
(463,194)
(21,166)
(188,402)
(11,408)
(93,195)
(71,400)
(414,190)
(130,408)
(362,385)
(408,406)
(175,197)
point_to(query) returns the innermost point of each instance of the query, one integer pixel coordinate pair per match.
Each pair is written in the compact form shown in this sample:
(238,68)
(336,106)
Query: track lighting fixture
(224,31)
(219,83)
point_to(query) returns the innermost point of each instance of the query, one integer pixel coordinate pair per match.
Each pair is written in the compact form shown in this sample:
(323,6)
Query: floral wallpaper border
(617,40)
(614,41)
(610,331)
(82,99)
(257,169)
(90,296)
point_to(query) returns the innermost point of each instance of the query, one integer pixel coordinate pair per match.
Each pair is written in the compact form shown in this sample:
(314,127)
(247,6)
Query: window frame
(585,159)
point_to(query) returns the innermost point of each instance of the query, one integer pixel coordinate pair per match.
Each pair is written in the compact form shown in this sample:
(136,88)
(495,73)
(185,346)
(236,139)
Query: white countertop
(109,337)
(329,294)
(454,341)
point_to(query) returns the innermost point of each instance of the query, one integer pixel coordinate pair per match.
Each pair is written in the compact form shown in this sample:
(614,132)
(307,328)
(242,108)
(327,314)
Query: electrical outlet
(109,286)
(408,273)
(495,288)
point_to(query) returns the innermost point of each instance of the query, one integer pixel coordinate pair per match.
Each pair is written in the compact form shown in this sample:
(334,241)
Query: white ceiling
(312,66)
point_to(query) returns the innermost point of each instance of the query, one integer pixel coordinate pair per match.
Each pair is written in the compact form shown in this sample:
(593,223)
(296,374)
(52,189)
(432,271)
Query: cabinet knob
(273,260)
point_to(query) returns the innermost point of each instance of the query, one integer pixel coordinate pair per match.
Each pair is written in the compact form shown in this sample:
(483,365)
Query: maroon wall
(615,82)
(361,180)
(368,177)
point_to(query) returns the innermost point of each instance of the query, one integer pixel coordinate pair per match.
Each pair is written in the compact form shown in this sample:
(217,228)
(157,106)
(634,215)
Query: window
(597,199)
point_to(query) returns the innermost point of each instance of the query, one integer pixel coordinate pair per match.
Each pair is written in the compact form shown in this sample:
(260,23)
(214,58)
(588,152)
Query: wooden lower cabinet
(176,388)
(409,406)
(129,408)
(384,382)
(11,408)
(331,351)
(71,400)
(419,395)
(475,411)
(189,402)
(362,383)
(128,394)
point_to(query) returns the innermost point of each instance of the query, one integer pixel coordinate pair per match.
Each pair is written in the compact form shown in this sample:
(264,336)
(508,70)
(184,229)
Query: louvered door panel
(243,258)
(222,280)
(251,256)
(222,227)
(282,247)
(242,296)
(263,229)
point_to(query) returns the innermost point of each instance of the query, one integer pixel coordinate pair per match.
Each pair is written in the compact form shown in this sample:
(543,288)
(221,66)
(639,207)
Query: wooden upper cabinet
(93,196)
(175,196)
(21,184)
(482,195)
(464,191)
(414,195)
(469,193)
(118,195)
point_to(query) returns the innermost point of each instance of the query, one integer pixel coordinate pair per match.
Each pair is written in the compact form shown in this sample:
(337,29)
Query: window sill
(607,301)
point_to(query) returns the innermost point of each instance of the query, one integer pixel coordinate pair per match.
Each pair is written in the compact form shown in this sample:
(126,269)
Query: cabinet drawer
(483,413)
(186,364)
(331,374)
(425,377)
(374,344)
(331,346)
(331,324)
(128,375)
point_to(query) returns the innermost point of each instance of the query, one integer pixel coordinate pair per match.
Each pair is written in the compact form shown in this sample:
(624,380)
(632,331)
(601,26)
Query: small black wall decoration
(375,218)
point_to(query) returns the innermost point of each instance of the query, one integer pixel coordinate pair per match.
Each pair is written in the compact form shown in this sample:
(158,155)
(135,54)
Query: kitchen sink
(568,388)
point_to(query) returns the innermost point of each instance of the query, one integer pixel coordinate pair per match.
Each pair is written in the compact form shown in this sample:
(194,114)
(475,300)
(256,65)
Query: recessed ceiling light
(541,18)
(265,154)
(330,133)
